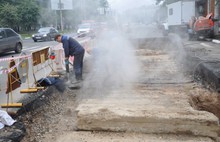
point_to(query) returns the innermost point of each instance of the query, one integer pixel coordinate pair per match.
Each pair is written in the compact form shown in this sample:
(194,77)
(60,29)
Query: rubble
(13,133)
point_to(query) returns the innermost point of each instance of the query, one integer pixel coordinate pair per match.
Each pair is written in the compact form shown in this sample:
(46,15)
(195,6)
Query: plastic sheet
(1,125)
(6,119)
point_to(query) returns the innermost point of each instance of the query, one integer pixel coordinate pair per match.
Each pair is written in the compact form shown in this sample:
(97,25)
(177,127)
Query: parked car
(45,34)
(10,41)
(86,29)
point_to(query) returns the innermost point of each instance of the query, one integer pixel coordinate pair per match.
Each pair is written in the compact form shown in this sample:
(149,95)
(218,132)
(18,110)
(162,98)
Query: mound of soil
(208,101)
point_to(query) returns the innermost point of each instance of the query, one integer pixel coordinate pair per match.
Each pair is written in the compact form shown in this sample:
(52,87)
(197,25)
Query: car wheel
(35,40)
(50,38)
(18,48)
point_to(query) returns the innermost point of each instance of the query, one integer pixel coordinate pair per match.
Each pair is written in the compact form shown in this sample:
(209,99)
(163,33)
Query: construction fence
(23,72)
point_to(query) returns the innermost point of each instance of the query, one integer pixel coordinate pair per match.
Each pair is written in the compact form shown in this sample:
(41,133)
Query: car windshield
(42,30)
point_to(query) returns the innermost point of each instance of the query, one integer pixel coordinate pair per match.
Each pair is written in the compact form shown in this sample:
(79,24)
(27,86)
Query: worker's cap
(56,36)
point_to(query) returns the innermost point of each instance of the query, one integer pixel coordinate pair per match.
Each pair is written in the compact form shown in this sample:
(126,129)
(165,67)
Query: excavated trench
(203,73)
(160,99)
(157,102)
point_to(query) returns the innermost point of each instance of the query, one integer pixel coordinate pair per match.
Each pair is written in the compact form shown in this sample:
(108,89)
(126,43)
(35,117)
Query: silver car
(86,29)
(10,41)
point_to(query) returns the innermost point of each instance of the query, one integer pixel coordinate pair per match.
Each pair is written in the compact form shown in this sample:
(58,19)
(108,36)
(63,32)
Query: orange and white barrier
(15,58)
(37,62)
(18,73)
(5,70)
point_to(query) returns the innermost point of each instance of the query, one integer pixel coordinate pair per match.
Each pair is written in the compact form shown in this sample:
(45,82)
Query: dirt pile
(205,100)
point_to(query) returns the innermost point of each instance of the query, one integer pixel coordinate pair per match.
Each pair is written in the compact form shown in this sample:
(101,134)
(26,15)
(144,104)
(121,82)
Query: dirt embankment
(206,100)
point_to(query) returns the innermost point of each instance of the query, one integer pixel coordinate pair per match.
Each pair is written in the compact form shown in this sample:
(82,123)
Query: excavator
(201,27)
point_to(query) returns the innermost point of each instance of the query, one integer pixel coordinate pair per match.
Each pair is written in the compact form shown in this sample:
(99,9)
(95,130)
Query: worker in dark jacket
(72,48)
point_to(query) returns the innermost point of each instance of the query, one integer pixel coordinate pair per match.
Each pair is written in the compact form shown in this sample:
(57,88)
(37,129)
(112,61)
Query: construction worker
(72,48)
(192,22)
(190,27)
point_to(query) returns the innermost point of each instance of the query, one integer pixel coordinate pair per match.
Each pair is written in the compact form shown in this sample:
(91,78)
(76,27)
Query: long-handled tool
(67,70)
(71,85)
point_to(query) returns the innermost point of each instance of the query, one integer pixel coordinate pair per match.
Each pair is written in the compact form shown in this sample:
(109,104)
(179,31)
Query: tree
(13,2)
(29,13)
(104,4)
(10,16)
(16,14)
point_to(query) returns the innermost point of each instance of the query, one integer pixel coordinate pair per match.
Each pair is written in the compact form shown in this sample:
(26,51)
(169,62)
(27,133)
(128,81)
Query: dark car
(45,34)
(10,41)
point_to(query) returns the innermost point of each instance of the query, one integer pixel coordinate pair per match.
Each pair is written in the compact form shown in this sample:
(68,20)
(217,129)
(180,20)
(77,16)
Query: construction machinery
(201,27)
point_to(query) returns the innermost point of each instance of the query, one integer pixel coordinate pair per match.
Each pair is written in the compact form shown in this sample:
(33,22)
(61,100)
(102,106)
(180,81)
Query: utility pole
(56,18)
(61,14)
(83,7)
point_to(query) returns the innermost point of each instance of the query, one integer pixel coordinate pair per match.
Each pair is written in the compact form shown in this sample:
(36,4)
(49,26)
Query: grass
(26,34)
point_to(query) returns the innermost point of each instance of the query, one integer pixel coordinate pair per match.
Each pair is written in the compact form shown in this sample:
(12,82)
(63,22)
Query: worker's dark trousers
(78,65)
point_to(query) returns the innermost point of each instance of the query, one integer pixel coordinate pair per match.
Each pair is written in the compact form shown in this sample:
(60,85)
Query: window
(2,34)
(171,11)
(42,30)
(52,30)
(10,33)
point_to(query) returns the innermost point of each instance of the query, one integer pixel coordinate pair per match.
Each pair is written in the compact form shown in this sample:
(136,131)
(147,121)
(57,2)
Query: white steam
(122,5)
(114,64)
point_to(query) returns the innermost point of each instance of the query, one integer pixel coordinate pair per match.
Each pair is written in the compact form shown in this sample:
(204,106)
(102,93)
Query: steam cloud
(121,5)
(114,64)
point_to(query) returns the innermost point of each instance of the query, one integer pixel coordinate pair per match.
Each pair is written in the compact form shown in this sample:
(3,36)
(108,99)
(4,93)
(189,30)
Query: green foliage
(28,12)
(27,15)
(13,2)
(19,14)
(9,16)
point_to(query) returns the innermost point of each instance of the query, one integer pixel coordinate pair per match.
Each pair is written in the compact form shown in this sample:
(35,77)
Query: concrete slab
(146,111)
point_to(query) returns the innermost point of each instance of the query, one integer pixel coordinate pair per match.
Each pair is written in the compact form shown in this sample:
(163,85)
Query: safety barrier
(13,79)
(20,67)
(12,84)
(40,58)
(18,73)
